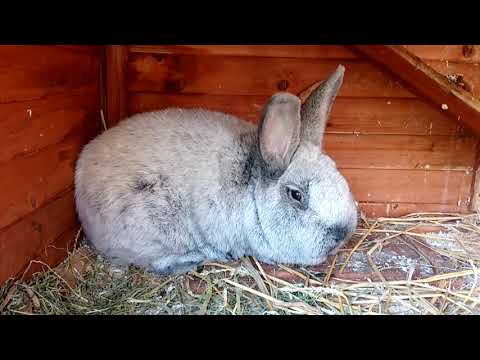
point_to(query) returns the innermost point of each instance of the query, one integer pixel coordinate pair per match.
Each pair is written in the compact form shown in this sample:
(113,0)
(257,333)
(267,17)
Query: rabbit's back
(175,142)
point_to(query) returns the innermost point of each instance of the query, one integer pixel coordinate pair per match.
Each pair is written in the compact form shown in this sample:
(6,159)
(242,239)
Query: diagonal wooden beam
(450,97)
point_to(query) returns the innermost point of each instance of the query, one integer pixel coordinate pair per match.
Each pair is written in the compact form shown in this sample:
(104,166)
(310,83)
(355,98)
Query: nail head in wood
(468,50)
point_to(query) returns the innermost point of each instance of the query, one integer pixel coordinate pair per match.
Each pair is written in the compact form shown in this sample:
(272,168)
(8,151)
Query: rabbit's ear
(316,108)
(279,131)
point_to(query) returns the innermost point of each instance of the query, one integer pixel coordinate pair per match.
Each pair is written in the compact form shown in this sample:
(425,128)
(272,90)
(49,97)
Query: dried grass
(391,266)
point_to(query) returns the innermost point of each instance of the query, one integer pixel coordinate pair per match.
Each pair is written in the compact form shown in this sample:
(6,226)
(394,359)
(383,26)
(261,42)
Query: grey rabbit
(168,190)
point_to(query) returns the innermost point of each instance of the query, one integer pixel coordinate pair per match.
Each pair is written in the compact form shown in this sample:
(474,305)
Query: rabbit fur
(168,190)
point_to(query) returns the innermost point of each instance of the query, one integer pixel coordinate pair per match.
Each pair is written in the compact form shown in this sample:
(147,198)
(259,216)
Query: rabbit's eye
(295,195)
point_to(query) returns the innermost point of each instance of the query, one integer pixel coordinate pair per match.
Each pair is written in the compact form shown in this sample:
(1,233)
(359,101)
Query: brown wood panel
(391,116)
(459,53)
(116,86)
(349,115)
(470,74)
(475,204)
(49,108)
(32,72)
(27,238)
(236,75)
(90,49)
(402,152)
(26,127)
(284,51)
(30,181)
(245,107)
(375,210)
(410,186)
(458,103)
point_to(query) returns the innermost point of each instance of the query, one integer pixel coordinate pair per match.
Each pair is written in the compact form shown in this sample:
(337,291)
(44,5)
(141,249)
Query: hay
(416,264)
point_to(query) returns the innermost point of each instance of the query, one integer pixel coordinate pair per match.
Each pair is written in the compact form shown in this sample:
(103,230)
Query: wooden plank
(410,186)
(475,191)
(116,91)
(230,75)
(26,127)
(457,102)
(33,72)
(451,53)
(91,49)
(23,240)
(29,182)
(32,181)
(349,115)
(470,74)
(374,210)
(284,51)
(391,116)
(402,152)
(245,107)
(454,53)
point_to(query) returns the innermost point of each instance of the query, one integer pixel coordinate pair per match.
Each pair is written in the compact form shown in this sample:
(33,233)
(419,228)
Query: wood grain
(26,127)
(410,186)
(451,53)
(33,72)
(116,87)
(349,115)
(283,51)
(458,103)
(90,49)
(391,116)
(25,239)
(475,204)
(401,152)
(30,181)
(236,75)
(375,210)
(49,108)
(470,74)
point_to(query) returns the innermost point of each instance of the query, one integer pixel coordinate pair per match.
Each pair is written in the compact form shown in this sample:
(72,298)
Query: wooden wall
(399,154)
(49,108)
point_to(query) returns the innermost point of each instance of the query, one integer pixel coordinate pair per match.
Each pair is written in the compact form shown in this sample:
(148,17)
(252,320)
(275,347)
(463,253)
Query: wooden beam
(451,98)
(116,87)
(475,192)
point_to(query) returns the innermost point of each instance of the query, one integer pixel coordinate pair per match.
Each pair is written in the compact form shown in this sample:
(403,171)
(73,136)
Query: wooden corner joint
(116,84)
(426,81)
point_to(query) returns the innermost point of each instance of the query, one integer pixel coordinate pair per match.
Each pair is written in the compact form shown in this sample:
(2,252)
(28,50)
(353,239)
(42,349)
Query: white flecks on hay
(401,262)
(444,240)
(399,309)
(358,263)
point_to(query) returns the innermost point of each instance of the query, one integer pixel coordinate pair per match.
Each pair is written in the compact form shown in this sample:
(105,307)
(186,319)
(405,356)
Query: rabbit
(169,190)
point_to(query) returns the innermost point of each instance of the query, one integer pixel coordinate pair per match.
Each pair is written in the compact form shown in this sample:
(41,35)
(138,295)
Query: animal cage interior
(404,132)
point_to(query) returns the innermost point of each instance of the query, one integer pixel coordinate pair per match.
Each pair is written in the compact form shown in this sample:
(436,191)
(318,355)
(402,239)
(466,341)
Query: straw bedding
(417,264)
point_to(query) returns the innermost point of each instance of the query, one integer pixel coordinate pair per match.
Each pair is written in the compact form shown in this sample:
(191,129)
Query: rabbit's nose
(338,232)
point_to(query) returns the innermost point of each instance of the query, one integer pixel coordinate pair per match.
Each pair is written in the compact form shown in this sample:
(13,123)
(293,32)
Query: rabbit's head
(304,205)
